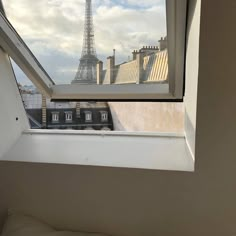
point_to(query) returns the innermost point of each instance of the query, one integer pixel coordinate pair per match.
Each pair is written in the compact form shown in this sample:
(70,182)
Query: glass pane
(95,41)
(106,116)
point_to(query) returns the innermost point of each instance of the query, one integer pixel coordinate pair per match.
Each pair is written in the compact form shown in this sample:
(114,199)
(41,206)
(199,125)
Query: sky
(53,30)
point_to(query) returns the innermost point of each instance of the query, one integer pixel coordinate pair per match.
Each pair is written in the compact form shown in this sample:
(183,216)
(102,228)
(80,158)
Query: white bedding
(22,225)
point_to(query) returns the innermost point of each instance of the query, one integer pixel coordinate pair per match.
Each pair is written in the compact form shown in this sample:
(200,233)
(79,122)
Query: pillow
(22,225)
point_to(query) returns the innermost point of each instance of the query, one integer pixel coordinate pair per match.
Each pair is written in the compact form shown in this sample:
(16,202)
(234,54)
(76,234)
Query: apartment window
(88,116)
(104,116)
(55,117)
(68,116)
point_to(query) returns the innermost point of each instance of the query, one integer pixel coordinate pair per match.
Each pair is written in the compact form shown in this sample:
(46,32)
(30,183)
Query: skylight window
(79,97)
(98,50)
(114,51)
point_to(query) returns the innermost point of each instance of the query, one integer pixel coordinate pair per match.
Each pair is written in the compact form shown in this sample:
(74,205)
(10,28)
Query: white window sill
(102,148)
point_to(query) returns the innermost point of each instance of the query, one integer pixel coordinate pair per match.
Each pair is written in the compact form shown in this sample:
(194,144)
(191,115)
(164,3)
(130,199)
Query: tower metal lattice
(86,73)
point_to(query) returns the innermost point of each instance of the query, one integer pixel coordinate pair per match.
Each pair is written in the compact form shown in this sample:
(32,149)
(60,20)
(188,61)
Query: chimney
(44,112)
(163,43)
(135,52)
(139,60)
(99,72)
(110,69)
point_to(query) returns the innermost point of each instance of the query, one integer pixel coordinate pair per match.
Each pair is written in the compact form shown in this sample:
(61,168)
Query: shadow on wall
(116,121)
(148,116)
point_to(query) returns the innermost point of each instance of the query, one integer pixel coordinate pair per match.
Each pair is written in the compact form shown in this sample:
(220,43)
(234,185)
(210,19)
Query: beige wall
(128,202)
(148,116)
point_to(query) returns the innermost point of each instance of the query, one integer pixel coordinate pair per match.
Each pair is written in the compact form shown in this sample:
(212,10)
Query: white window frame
(55,117)
(88,116)
(68,116)
(104,116)
(176,11)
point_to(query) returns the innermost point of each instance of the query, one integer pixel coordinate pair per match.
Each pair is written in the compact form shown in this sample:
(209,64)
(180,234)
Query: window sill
(98,148)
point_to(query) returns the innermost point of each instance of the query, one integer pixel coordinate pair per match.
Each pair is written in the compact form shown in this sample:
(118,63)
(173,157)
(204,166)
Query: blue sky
(53,30)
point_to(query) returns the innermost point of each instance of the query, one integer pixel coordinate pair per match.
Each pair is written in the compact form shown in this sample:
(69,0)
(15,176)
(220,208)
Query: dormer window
(88,116)
(104,116)
(68,116)
(55,117)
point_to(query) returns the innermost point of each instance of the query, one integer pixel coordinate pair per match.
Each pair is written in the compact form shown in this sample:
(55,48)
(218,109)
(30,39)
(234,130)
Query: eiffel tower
(86,73)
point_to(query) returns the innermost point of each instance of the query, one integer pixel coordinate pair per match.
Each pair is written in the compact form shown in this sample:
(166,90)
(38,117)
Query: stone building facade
(43,113)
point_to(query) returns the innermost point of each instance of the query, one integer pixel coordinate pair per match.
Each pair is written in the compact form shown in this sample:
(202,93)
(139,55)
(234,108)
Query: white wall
(12,116)
(192,67)
(127,202)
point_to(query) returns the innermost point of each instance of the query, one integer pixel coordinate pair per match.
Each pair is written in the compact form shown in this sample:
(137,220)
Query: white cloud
(144,3)
(54,28)
(128,28)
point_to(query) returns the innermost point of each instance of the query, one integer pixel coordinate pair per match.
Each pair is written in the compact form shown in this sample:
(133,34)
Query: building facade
(43,113)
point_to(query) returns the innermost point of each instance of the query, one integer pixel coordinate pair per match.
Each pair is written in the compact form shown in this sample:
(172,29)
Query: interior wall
(127,202)
(191,73)
(13,118)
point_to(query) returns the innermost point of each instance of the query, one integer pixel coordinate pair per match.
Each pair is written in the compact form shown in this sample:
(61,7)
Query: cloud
(128,28)
(53,29)
(144,3)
